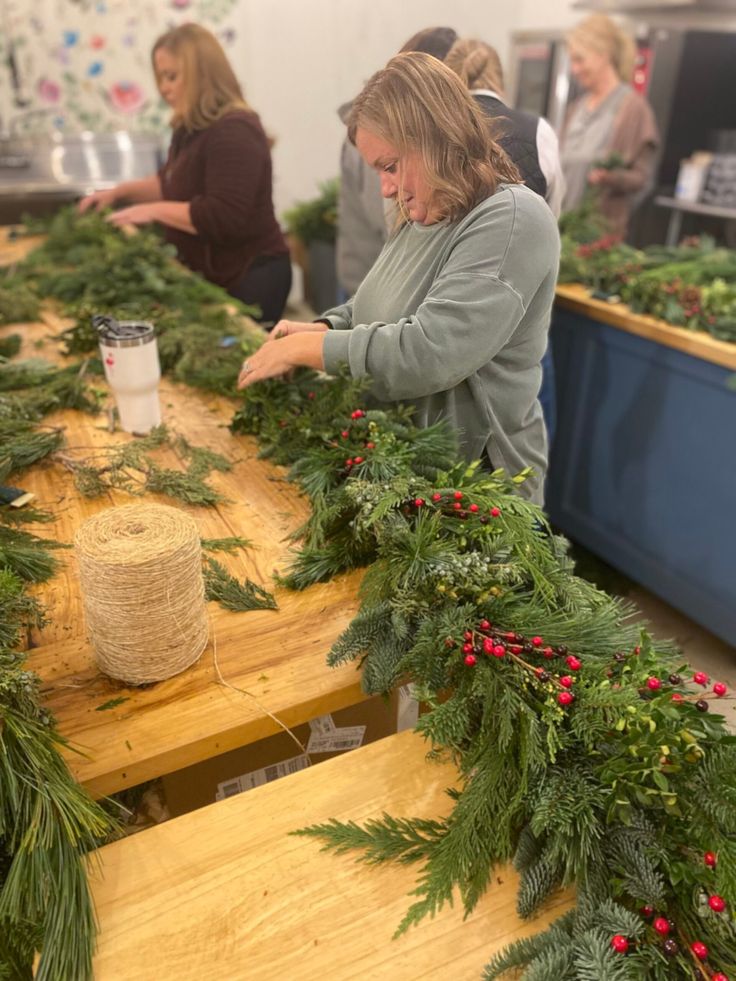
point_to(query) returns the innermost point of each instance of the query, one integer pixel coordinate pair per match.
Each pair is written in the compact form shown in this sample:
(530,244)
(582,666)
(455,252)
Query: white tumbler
(130,355)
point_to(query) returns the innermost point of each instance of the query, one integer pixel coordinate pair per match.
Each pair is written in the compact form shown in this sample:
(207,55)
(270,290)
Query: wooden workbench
(277,656)
(226,892)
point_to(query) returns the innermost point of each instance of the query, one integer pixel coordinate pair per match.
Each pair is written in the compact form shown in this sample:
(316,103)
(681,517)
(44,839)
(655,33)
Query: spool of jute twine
(143,591)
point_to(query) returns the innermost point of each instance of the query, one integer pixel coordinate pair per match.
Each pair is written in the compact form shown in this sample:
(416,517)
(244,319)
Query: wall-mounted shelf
(679,207)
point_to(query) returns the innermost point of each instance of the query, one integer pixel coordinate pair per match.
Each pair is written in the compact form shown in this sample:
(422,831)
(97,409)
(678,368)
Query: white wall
(297,71)
(543,14)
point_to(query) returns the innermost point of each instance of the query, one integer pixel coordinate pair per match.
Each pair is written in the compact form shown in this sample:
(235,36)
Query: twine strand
(244,691)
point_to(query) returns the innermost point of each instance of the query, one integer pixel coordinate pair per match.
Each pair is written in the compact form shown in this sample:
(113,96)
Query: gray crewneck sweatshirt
(453,318)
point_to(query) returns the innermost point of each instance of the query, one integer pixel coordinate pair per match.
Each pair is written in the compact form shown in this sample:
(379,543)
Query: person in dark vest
(530,142)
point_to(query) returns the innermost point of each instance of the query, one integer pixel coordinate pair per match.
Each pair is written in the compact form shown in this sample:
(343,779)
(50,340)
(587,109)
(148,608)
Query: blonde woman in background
(529,140)
(213,196)
(453,316)
(609,118)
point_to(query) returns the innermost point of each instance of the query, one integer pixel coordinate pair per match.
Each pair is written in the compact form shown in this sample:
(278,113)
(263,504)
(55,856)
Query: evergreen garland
(577,739)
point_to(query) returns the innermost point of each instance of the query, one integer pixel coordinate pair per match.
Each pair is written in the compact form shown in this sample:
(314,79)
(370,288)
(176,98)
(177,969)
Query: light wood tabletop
(698,344)
(278,657)
(227,892)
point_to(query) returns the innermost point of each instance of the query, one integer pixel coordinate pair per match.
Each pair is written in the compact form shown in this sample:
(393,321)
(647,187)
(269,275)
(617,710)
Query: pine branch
(25,448)
(27,555)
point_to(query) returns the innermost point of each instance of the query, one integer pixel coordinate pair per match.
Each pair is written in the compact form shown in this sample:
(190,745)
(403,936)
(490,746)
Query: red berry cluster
(452,503)
(355,461)
(490,640)
(654,684)
(664,927)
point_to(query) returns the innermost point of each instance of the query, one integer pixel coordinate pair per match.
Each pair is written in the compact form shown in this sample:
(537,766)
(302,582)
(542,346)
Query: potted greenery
(312,227)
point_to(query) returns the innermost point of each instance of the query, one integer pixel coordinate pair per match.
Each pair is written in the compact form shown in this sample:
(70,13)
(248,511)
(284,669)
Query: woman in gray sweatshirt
(453,316)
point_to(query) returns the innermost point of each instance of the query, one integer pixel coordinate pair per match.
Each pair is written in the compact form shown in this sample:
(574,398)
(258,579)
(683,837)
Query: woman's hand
(136,214)
(598,176)
(98,200)
(303,349)
(287,328)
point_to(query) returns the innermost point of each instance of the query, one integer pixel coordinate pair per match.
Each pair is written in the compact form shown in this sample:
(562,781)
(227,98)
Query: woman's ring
(246,367)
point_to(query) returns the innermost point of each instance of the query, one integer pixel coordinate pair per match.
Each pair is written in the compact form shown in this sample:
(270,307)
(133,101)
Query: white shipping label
(256,778)
(323,725)
(340,740)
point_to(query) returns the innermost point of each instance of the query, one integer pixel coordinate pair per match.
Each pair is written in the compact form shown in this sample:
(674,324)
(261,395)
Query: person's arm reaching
(137,192)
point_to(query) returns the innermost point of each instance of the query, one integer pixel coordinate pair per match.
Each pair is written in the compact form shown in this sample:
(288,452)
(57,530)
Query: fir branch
(232,594)
(529,950)
(380,840)
(537,882)
(364,630)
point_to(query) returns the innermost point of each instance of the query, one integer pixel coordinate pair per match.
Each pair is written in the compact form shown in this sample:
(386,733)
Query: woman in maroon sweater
(213,196)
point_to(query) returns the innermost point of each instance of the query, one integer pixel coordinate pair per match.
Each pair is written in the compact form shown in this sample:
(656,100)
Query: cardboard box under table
(279,756)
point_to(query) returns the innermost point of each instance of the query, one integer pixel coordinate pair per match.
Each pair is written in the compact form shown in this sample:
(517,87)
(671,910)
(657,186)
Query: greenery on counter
(586,751)
(692,285)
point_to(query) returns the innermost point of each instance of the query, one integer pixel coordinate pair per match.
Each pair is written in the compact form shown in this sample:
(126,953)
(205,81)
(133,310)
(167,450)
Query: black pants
(266,284)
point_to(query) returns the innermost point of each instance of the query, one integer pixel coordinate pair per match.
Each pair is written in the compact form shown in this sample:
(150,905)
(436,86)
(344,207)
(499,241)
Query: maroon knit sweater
(224,172)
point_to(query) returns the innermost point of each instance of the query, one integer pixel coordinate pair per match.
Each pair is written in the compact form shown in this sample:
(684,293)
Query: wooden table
(226,892)
(279,657)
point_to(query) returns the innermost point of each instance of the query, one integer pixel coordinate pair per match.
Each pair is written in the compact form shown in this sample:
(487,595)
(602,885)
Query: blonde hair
(599,33)
(418,105)
(476,64)
(211,89)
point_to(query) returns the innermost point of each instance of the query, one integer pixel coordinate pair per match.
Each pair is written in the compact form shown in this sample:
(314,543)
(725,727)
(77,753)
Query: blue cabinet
(643,467)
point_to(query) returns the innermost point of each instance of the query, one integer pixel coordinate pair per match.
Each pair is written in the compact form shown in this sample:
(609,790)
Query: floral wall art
(73,65)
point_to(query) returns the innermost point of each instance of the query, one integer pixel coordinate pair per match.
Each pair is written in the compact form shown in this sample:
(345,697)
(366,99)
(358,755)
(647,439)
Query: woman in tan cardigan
(609,118)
